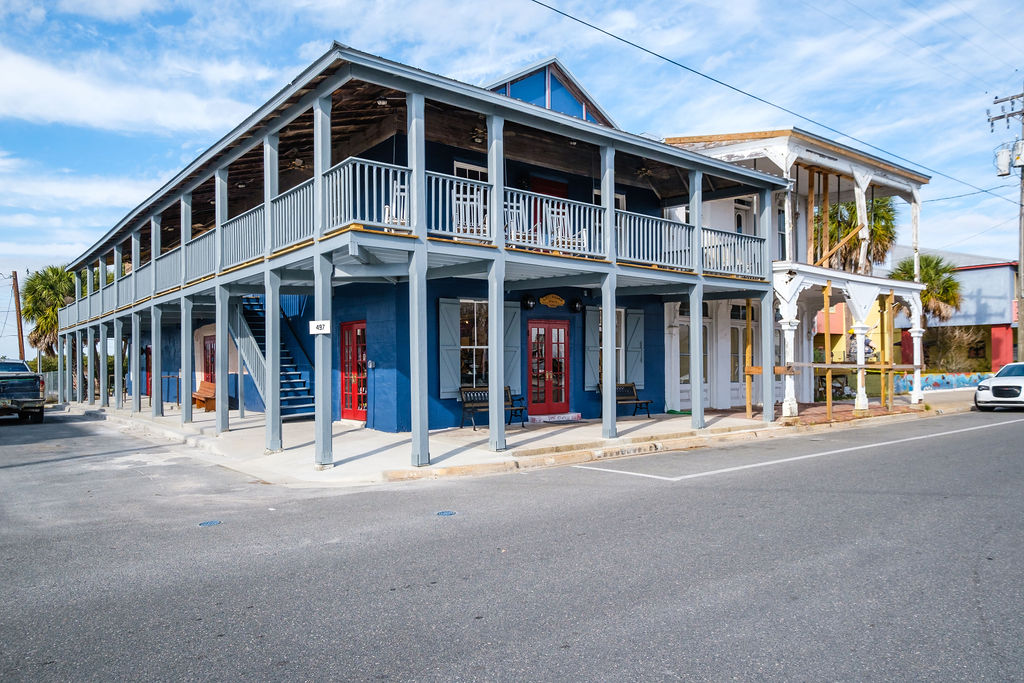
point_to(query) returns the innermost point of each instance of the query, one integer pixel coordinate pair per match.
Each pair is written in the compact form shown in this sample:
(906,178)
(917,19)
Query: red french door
(549,367)
(353,370)
(210,358)
(148,352)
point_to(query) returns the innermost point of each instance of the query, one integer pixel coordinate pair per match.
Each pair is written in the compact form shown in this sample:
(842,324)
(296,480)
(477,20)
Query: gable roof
(564,75)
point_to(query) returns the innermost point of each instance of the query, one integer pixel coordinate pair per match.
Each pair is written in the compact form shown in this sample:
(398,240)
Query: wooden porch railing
(293,215)
(168,270)
(201,256)
(652,240)
(732,253)
(367,192)
(242,237)
(457,207)
(538,221)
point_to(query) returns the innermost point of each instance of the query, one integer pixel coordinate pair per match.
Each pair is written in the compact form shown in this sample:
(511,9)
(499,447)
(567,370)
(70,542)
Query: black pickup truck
(22,392)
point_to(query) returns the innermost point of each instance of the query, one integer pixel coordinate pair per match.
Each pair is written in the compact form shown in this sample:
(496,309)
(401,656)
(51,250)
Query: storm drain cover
(212,522)
(446,513)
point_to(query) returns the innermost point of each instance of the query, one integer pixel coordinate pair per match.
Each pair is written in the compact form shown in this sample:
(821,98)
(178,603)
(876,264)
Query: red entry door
(210,358)
(353,370)
(148,352)
(549,367)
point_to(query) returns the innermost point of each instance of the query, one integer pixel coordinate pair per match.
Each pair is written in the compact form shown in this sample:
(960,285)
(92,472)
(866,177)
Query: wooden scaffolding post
(810,215)
(748,358)
(882,362)
(891,308)
(828,351)
(17,315)
(826,236)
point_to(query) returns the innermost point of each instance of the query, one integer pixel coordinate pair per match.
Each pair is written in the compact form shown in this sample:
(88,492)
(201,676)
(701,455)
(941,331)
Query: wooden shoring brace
(882,327)
(748,357)
(839,245)
(891,307)
(828,351)
(810,215)
(826,230)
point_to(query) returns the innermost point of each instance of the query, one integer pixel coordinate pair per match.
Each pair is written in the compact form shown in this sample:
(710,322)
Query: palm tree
(842,218)
(941,296)
(44,293)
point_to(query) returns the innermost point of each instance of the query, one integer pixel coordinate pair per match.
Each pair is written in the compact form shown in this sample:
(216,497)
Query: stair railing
(248,349)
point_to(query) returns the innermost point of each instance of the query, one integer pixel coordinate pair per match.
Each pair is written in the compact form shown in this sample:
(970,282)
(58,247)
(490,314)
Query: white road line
(726,470)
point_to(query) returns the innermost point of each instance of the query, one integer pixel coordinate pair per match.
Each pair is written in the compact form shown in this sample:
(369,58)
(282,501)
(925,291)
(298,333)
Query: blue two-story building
(376,239)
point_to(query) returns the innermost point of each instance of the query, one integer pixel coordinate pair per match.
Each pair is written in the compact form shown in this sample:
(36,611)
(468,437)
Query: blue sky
(103,100)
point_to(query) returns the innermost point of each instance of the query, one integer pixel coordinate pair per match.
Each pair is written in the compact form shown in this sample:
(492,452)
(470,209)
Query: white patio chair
(469,215)
(396,212)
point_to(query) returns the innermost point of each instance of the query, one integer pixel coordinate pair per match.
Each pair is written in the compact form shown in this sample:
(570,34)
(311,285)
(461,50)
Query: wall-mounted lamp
(576,306)
(528,302)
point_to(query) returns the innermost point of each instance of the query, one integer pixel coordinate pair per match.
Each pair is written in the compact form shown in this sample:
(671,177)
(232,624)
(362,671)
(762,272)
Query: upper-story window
(739,222)
(470,171)
(620,200)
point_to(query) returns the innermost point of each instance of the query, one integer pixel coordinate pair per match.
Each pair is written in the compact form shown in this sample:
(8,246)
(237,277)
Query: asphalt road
(903,560)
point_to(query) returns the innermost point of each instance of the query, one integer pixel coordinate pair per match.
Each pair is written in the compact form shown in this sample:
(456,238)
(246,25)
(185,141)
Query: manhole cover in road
(211,522)
(446,513)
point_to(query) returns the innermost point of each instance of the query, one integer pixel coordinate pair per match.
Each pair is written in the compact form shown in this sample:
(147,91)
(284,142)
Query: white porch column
(323,360)
(91,360)
(270,187)
(220,363)
(861,182)
(185,214)
(272,308)
(61,348)
(154,250)
(241,363)
(220,213)
(118,274)
(79,367)
(860,330)
(768,357)
(156,341)
(187,356)
(915,221)
(672,355)
(496,353)
(916,394)
(790,407)
(496,286)
(134,362)
(136,262)
(419,388)
(697,356)
(118,363)
(608,378)
(104,389)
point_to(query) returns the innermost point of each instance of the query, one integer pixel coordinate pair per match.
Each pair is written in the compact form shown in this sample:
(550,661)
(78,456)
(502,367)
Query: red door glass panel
(353,370)
(209,358)
(549,367)
(149,370)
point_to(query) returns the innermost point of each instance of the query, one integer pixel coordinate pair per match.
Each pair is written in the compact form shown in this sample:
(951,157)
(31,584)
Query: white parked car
(1005,390)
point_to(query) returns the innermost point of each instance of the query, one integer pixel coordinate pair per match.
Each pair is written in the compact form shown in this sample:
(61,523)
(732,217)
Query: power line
(980,232)
(982,48)
(894,46)
(986,27)
(766,102)
(915,42)
(966,194)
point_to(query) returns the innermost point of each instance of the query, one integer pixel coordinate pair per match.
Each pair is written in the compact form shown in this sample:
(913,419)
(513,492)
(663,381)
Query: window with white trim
(620,200)
(470,171)
(620,346)
(473,342)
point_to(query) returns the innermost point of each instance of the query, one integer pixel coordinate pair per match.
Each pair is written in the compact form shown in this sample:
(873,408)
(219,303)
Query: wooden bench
(205,397)
(625,394)
(476,400)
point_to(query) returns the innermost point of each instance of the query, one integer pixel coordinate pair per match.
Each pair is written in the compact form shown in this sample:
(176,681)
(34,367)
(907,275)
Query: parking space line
(821,454)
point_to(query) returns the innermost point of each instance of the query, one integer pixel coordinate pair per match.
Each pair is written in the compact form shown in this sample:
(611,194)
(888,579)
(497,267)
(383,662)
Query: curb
(526,459)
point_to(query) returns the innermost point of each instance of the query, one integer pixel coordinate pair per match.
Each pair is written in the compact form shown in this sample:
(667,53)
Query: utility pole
(17,312)
(1016,104)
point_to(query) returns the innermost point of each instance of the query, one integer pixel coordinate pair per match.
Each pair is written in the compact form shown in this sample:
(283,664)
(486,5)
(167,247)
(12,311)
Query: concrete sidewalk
(364,456)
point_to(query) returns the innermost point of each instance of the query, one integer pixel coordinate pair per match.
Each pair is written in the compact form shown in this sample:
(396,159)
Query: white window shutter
(513,347)
(448,347)
(635,347)
(592,349)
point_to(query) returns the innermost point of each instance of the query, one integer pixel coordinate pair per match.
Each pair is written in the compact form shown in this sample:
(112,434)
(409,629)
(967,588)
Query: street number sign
(319,326)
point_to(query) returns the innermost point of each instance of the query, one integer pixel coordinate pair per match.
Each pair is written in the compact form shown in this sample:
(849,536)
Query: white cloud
(52,192)
(44,93)
(108,10)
